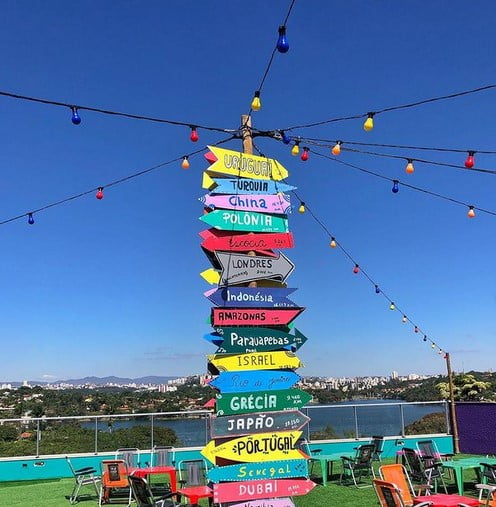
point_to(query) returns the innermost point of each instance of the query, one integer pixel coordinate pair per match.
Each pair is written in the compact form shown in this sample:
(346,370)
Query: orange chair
(398,475)
(390,495)
(115,482)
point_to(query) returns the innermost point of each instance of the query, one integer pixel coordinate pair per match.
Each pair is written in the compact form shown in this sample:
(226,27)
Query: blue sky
(113,286)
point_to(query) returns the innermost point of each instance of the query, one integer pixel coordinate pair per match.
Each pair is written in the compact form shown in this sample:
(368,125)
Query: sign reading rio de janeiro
(262,422)
(254,380)
(279,203)
(255,361)
(252,471)
(244,186)
(230,220)
(244,165)
(245,403)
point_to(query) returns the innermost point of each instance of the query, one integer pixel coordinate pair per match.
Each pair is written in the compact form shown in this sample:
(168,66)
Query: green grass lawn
(54,493)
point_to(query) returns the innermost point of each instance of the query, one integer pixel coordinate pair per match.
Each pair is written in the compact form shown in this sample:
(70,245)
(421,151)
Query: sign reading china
(279,203)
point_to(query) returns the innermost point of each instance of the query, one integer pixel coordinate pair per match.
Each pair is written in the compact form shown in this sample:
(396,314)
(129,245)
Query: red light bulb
(356,269)
(415,329)
(469,163)
(194,135)
(304,155)
(99,194)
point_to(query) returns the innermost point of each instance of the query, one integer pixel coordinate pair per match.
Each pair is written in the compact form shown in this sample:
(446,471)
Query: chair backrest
(489,473)
(114,474)
(193,473)
(414,464)
(364,454)
(141,492)
(130,455)
(398,475)
(428,451)
(388,494)
(378,441)
(162,455)
(70,466)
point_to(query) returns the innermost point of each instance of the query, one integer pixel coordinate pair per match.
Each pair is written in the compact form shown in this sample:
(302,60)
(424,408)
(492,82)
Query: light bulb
(403,319)
(255,103)
(194,135)
(356,269)
(295,149)
(415,329)
(301,209)
(336,150)
(76,119)
(185,163)
(424,338)
(282,42)
(469,163)
(440,352)
(433,346)
(368,125)
(396,187)
(304,155)
(471,212)
(285,138)
(409,169)
(333,243)
(377,290)
(99,194)
(30,219)
(391,306)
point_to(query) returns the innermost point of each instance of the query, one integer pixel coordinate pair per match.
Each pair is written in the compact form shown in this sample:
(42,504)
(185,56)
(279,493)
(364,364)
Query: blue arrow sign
(254,380)
(214,338)
(260,297)
(248,186)
(264,470)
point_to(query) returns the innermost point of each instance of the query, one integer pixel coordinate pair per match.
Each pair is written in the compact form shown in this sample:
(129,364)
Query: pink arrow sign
(254,316)
(254,490)
(279,203)
(280,502)
(214,239)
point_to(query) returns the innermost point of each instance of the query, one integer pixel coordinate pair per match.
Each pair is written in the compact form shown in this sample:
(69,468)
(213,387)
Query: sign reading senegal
(244,165)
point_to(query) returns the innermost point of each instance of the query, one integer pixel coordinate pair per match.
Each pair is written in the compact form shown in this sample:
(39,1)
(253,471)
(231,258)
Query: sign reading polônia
(244,165)
(245,221)
(249,424)
(254,317)
(251,297)
(246,403)
(279,203)
(257,361)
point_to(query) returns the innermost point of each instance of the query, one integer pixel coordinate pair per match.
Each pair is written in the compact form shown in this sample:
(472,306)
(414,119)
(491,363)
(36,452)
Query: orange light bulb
(336,150)
(185,163)
(409,169)
(471,212)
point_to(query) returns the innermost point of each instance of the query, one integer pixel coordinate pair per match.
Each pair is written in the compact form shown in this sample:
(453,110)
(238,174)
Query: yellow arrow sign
(255,361)
(244,165)
(207,181)
(211,276)
(256,448)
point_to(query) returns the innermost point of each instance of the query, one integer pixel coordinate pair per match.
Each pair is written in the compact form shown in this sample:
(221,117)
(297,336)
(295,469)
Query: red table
(442,500)
(194,493)
(145,472)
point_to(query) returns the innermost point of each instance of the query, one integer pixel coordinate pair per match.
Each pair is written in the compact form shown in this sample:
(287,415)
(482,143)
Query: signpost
(250,297)
(229,220)
(254,316)
(273,502)
(256,361)
(215,239)
(279,203)
(251,381)
(244,186)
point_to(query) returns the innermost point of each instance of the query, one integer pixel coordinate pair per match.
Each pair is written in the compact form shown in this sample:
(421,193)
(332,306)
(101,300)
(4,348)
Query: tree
(428,424)
(466,388)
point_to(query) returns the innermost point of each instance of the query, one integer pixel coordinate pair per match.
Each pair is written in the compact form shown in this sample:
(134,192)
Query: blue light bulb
(396,187)
(285,138)
(282,42)
(30,219)
(76,119)
(377,290)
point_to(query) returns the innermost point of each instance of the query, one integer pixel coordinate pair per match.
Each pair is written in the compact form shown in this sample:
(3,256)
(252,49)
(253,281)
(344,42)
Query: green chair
(358,466)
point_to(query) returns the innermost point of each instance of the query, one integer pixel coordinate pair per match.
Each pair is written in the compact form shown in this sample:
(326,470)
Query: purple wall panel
(476,427)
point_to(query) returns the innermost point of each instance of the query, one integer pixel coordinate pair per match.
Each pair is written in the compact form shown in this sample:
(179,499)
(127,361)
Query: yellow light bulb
(368,125)
(255,103)
(409,169)
(301,209)
(433,346)
(333,243)
(295,149)
(391,306)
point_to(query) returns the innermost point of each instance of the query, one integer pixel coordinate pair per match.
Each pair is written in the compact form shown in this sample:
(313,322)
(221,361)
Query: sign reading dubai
(244,165)
(273,502)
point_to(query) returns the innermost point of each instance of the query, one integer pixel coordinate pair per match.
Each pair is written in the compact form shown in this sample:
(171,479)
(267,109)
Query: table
(328,459)
(145,472)
(442,500)
(459,465)
(194,493)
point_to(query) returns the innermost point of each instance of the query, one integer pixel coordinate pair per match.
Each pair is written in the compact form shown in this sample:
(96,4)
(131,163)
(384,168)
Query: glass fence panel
(331,422)
(384,420)
(423,418)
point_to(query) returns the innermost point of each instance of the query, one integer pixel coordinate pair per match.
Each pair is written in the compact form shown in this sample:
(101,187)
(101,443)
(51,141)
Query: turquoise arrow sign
(229,220)
(248,186)
(246,403)
(265,470)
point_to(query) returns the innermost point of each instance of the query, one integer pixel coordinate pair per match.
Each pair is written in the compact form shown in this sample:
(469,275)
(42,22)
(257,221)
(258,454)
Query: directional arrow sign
(249,424)
(241,268)
(256,361)
(214,338)
(252,471)
(273,502)
(244,165)
(214,239)
(256,448)
(229,220)
(244,186)
(247,403)
(268,488)
(279,203)
(250,297)
(254,317)
(211,276)
(238,340)
(250,381)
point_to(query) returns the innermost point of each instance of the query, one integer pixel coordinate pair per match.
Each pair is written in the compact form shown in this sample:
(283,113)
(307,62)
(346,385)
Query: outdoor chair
(390,495)
(490,492)
(423,471)
(130,455)
(398,475)
(361,464)
(162,455)
(115,482)
(378,441)
(488,477)
(193,481)
(82,477)
(144,496)
(429,448)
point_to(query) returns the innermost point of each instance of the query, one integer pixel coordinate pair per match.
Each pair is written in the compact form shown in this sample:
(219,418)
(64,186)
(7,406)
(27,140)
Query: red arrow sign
(226,240)
(254,316)
(253,490)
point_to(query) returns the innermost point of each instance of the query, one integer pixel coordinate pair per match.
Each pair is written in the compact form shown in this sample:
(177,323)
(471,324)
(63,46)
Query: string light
(469,162)
(396,187)
(392,307)
(333,243)
(336,149)
(356,269)
(377,289)
(194,134)
(185,162)
(282,42)
(76,119)
(409,169)
(30,219)
(255,103)
(404,319)
(296,148)
(305,154)
(471,212)
(415,329)
(285,138)
(301,209)
(99,194)
(424,338)
(368,124)
(433,346)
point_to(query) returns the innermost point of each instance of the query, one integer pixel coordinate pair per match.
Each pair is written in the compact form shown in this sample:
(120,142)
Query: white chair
(82,477)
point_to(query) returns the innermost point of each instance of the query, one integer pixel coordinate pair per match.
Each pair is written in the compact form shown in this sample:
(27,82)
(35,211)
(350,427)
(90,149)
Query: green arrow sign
(229,220)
